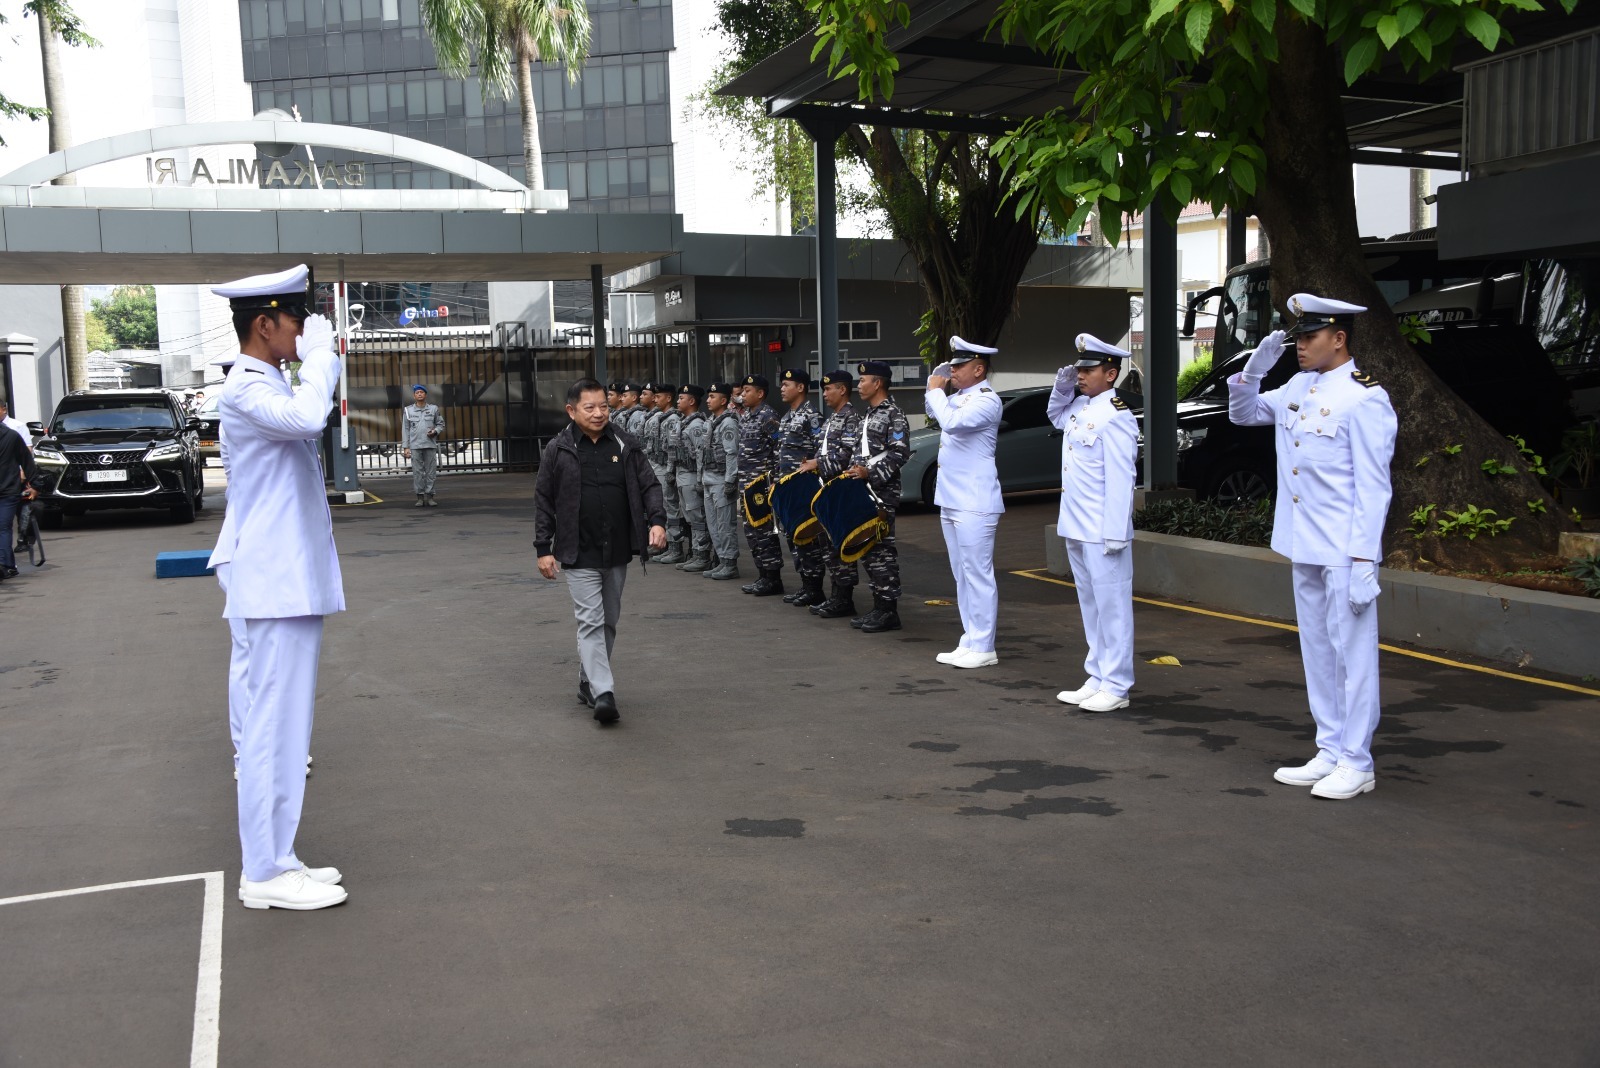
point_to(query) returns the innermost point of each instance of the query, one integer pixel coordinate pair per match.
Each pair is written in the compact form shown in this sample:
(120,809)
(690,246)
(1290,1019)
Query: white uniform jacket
(1335,438)
(1100,443)
(278,530)
(969,427)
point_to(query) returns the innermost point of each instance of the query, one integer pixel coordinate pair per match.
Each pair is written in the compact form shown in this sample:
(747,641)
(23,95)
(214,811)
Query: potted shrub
(1576,466)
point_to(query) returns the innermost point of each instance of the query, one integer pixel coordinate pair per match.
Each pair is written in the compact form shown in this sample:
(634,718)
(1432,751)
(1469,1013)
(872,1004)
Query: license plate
(114,475)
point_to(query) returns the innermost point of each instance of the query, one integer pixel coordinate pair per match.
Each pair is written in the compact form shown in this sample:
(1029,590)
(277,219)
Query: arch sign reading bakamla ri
(353,174)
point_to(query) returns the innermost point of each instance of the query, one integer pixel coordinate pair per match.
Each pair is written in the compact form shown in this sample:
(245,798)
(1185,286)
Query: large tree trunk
(970,266)
(532,154)
(1307,205)
(73,332)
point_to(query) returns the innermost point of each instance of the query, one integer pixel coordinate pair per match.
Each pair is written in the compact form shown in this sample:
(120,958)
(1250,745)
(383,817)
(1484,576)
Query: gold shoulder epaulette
(1119,404)
(1363,378)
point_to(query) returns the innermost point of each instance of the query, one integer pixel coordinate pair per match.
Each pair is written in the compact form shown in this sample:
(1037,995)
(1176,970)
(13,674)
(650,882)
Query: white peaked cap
(291,281)
(963,350)
(1090,343)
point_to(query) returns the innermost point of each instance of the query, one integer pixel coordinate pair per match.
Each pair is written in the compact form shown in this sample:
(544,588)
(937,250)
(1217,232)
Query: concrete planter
(1547,631)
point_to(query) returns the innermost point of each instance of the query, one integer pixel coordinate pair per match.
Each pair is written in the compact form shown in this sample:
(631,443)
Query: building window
(858,330)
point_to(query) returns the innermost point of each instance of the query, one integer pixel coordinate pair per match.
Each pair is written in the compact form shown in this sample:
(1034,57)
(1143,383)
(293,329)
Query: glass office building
(607,138)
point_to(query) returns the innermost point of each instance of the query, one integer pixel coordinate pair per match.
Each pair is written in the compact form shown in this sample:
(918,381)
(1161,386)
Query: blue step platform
(188,564)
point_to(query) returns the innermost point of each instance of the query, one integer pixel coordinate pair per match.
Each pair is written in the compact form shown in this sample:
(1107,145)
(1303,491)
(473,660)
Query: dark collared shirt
(603,507)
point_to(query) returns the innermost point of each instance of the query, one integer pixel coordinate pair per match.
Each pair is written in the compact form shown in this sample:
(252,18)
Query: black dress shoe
(11,572)
(605,709)
(585,694)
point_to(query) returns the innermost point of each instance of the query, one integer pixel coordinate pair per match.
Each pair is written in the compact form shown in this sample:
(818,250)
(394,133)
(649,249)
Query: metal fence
(502,392)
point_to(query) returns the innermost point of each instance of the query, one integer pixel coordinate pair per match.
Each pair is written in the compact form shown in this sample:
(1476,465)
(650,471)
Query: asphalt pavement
(801,846)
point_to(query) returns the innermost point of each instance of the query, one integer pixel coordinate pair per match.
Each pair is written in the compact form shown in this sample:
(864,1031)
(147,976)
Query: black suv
(122,448)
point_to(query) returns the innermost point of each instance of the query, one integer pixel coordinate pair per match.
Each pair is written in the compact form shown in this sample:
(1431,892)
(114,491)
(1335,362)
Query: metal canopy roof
(950,62)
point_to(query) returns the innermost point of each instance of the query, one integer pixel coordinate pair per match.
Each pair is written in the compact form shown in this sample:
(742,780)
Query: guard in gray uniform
(799,431)
(628,414)
(719,478)
(661,395)
(883,450)
(758,441)
(836,449)
(671,431)
(421,425)
(1335,434)
(692,436)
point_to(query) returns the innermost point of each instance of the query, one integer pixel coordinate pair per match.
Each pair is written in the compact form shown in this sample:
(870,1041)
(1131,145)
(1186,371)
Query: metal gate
(502,391)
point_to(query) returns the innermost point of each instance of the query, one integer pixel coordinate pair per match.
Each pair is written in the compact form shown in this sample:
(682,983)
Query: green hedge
(1249,525)
(1191,375)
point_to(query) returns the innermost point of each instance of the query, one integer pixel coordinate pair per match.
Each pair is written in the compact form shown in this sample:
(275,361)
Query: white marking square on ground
(208,984)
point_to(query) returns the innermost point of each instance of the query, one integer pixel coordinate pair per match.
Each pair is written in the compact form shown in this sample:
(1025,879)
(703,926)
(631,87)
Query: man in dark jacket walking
(597,504)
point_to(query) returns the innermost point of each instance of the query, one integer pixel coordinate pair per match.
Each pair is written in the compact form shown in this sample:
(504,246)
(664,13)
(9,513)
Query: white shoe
(290,890)
(325,876)
(971,658)
(950,657)
(1102,702)
(1310,774)
(1344,784)
(1078,696)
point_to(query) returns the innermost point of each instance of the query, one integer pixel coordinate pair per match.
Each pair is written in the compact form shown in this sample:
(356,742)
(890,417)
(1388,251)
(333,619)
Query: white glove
(315,336)
(942,371)
(1067,380)
(1115,547)
(1265,358)
(1363,585)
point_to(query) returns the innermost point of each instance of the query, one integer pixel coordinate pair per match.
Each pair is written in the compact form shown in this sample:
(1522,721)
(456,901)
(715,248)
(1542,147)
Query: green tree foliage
(500,39)
(69,28)
(96,336)
(128,316)
(1236,103)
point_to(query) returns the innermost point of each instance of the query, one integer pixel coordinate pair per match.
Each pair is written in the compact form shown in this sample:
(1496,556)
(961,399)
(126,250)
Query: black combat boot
(810,593)
(725,570)
(841,604)
(770,584)
(884,616)
(696,563)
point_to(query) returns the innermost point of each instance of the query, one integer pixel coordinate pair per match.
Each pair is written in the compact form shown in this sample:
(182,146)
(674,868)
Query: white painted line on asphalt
(208,985)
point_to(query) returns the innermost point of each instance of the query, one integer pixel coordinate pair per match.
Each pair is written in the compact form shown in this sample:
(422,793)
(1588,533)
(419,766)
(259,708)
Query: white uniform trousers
(1340,651)
(238,664)
(1105,597)
(275,736)
(969,539)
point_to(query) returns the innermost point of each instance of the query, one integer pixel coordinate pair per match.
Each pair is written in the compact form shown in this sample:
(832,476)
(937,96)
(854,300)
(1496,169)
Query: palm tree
(58,21)
(502,38)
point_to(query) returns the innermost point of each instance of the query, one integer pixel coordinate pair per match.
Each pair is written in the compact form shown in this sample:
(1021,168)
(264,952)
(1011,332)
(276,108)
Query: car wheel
(930,479)
(51,519)
(1241,480)
(200,488)
(184,512)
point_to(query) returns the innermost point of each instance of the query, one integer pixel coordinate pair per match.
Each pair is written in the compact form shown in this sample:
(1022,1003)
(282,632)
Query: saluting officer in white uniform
(277,564)
(1335,438)
(1100,443)
(968,493)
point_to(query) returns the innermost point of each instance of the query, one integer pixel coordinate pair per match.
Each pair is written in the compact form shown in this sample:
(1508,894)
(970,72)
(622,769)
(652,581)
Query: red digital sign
(774,346)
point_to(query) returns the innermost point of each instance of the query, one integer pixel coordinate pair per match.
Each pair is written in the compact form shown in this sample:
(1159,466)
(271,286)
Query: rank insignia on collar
(985,389)
(1294,406)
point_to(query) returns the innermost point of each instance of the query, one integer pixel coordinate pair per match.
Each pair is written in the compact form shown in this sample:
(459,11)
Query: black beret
(755,380)
(697,392)
(660,387)
(837,378)
(795,374)
(876,367)
(628,386)
(614,387)
(723,388)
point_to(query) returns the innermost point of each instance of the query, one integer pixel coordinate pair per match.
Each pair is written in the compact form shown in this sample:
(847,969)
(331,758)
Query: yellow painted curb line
(371,498)
(1275,625)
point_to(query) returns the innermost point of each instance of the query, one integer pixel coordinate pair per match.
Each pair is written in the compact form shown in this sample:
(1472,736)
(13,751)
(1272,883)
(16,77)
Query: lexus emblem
(105,457)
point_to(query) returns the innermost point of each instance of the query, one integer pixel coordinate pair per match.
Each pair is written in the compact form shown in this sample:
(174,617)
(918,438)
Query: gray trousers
(721,521)
(692,505)
(424,467)
(669,495)
(596,605)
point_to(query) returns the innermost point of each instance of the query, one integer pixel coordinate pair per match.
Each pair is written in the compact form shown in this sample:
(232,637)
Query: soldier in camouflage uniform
(661,395)
(758,441)
(799,431)
(884,448)
(677,524)
(719,478)
(835,453)
(692,436)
